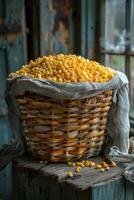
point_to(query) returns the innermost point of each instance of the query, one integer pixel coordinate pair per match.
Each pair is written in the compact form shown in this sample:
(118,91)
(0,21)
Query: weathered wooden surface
(56,23)
(33,180)
(12,42)
(82,180)
(88,29)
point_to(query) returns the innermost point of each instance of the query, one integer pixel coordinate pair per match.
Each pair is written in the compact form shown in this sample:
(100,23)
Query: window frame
(127,53)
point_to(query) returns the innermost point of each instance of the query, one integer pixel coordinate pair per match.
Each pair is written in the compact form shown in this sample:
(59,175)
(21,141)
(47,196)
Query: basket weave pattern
(64,130)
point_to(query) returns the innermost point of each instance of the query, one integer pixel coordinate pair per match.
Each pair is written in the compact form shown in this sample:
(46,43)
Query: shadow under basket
(64,130)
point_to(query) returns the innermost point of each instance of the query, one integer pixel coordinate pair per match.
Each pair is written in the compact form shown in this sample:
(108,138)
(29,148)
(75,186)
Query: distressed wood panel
(129,190)
(3,74)
(56,26)
(113,189)
(88,28)
(30,183)
(12,56)
(5,175)
(12,45)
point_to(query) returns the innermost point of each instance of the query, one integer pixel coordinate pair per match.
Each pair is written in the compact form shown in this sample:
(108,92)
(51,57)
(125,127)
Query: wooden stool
(37,181)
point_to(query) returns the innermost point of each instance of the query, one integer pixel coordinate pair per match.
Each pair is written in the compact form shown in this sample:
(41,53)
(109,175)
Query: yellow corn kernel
(82,165)
(77,169)
(102,170)
(98,166)
(105,165)
(73,164)
(84,162)
(107,168)
(69,163)
(69,174)
(103,162)
(91,164)
(113,164)
(78,164)
(87,164)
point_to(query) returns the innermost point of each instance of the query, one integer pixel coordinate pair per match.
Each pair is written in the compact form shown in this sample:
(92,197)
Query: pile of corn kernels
(65,69)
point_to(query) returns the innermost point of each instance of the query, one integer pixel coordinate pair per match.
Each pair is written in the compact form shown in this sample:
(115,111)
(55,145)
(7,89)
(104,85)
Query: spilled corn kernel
(69,174)
(73,164)
(107,168)
(69,163)
(113,164)
(77,169)
(82,165)
(91,164)
(105,165)
(102,170)
(98,166)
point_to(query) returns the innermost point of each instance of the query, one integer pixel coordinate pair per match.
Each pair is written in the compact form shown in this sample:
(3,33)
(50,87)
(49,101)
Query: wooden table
(37,181)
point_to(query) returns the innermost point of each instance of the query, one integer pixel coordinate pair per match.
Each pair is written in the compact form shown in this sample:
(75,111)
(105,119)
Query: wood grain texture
(86,178)
(129,191)
(56,32)
(110,190)
(33,180)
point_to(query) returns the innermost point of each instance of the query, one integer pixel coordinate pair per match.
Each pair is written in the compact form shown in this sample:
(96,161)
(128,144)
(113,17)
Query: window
(116,38)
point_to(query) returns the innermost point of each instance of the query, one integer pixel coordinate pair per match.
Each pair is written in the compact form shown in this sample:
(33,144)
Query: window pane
(132,84)
(116,62)
(132,26)
(113,26)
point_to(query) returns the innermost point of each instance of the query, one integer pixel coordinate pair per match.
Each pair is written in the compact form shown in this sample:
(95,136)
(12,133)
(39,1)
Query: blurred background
(100,30)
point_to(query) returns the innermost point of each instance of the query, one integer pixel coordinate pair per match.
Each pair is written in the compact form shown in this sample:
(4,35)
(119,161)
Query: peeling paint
(55,22)
(61,20)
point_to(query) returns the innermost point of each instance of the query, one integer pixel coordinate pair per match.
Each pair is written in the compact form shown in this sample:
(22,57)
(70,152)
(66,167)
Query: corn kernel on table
(34,180)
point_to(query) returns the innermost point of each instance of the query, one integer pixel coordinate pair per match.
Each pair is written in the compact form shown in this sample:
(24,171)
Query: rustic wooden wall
(12,56)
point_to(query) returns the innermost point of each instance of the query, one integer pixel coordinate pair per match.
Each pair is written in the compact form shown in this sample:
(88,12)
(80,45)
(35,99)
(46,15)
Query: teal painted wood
(112,190)
(3,74)
(5,175)
(83,28)
(32,184)
(12,56)
(129,191)
(56,21)
(6,182)
(12,46)
(88,28)
(90,50)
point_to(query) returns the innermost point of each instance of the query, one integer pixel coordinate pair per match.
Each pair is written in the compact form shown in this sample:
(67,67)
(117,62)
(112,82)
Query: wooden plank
(87,177)
(6,182)
(84,194)
(90,178)
(29,184)
(68,192)
(110,190)
(90,25)
(12,55)
(83,27)
(129,191)
(5,174)
(55,25)
(29,163)
(32,183)
(3,74)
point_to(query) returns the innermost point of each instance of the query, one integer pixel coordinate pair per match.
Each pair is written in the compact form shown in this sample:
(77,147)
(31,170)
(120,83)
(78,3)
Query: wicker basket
(64,130)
